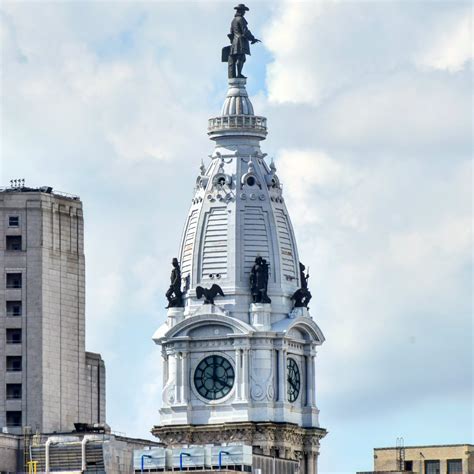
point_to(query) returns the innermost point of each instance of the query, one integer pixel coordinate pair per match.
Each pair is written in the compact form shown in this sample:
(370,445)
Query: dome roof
(237,214)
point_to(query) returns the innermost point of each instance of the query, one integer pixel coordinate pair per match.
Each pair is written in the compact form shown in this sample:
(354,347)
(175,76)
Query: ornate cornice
(288,439)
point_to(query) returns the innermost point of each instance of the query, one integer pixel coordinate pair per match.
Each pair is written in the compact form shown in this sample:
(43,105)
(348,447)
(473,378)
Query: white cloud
(322,48)
(452,49)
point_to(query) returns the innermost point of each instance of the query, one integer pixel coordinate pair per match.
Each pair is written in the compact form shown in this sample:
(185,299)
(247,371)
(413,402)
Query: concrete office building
(48,380)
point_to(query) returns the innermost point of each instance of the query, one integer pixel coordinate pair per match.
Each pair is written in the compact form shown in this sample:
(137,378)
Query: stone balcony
(237,125)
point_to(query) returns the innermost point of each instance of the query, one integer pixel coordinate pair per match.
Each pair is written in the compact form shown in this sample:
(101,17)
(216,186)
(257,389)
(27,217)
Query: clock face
(214,377)
(294,380)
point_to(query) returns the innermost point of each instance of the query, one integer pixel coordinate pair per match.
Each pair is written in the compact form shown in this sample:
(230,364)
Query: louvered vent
(187,253)
(286,246)
(214,255)
(255,239)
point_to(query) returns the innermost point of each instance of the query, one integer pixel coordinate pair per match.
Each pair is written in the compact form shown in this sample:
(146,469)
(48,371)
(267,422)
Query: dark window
(13,418)
(408,465)
(14,242)
(13,280)
(454,466)
(251,181)
(13,391)
(13,308)
(13,221)
(13,336)
(13,363)
(432,467)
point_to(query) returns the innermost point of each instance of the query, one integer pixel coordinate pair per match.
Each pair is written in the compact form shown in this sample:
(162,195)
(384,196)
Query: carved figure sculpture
(209,293)
(259,281)
(239,37)
(302,296)
(174,293)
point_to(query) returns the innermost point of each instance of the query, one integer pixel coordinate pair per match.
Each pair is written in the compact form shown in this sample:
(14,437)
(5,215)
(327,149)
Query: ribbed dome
(237,101)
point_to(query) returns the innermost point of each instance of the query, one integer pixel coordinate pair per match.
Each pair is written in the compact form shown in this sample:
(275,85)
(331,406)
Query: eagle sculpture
(209,293)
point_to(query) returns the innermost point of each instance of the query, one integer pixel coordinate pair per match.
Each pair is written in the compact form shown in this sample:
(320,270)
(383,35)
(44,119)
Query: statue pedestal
(260,316)
(175,315)
(299,312)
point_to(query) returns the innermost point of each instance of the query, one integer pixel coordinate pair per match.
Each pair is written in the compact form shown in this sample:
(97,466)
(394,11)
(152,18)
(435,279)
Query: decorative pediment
(205,322)
(300,328)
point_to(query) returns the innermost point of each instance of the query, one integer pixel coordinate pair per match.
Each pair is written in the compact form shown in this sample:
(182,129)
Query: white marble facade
(238,213)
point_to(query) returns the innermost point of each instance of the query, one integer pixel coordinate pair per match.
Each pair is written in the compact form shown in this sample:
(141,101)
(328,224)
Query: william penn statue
(239,36)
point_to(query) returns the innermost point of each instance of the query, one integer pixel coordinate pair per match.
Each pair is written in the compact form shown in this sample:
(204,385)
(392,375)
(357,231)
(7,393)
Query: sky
(369,108)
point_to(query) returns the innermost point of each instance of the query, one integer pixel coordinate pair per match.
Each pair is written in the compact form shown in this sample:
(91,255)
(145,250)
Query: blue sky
(370,124)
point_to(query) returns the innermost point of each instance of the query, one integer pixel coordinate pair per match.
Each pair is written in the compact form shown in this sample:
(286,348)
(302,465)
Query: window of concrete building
(14,280)
(13,221)
(13,242)
(13,308)
(13,391)
(408,465)
(14,363)
(454,466)
(432,467)
(13,336)
(13,418)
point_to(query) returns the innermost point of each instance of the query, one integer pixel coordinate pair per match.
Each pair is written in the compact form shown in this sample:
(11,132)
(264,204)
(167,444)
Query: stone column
(179,377)
(316,456)
(238,374)
(171,382)
(309,380)
(245,373)
(164,356)
(310,462)
(184,377)
(282,375)
(313,380)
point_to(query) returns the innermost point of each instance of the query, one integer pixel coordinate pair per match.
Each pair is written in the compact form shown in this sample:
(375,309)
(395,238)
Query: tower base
(278,440)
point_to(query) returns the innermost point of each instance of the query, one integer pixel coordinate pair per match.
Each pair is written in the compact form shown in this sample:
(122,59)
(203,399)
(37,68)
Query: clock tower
(239,344)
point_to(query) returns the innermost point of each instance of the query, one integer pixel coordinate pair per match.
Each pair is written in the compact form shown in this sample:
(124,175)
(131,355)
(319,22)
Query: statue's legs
(240,64)
(231,66)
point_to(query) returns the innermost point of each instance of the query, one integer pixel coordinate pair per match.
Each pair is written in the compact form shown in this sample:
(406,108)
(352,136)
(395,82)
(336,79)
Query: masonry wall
(385,459)
(10,448)
(63,282)
(93,403)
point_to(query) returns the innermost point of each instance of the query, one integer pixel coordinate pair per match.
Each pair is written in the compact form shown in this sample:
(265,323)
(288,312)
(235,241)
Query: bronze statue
(209,293)
(239,37)
(174,293)
(259,281)
(302,296)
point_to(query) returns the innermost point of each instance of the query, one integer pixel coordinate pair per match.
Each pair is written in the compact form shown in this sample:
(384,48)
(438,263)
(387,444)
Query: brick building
(440,459)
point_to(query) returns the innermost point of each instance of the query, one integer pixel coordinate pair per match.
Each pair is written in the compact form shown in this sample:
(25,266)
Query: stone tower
(48,381)
(242,369)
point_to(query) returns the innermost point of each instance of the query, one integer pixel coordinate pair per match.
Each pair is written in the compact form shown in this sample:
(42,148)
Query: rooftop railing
(231,122)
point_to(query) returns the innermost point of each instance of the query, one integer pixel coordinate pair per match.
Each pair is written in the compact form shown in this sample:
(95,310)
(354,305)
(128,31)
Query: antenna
(401,453)
(17,183)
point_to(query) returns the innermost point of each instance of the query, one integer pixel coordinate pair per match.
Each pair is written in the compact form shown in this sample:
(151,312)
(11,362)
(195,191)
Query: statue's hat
(241,6)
